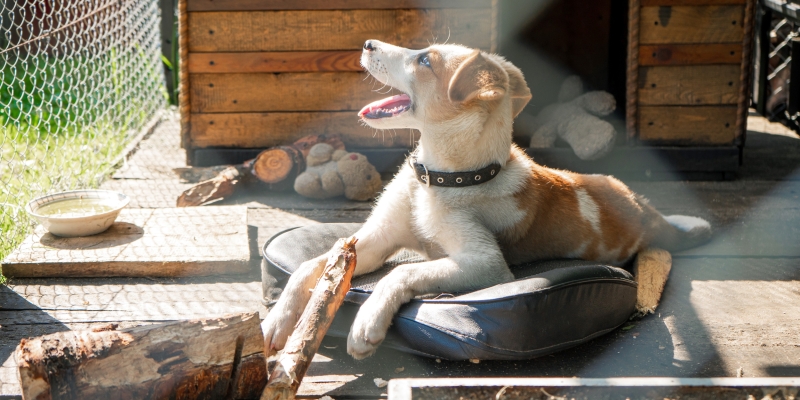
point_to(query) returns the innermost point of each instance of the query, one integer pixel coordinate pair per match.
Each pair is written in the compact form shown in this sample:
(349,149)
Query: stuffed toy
(330,173)
(575,120)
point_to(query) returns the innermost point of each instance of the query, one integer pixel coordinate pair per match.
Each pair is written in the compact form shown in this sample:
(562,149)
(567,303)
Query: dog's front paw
(368,331)
(276,329)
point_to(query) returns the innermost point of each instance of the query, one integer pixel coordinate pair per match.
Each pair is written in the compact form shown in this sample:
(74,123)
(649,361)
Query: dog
(469,200)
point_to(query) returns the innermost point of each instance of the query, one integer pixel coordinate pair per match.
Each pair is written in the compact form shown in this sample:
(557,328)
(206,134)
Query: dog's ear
(477,78)
(520,93)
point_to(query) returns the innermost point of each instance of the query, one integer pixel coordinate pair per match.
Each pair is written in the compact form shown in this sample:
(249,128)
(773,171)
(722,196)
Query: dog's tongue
(387,107)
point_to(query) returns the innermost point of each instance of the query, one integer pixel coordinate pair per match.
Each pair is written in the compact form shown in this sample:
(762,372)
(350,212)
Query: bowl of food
(77,212)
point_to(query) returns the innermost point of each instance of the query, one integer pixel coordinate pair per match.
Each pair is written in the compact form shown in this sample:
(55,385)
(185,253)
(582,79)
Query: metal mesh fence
(79,79)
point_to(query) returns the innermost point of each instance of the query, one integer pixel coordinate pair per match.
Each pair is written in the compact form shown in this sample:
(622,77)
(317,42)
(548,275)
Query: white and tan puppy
(463,102)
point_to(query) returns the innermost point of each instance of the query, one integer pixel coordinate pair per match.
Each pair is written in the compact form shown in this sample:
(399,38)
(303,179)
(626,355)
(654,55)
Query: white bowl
(84,212)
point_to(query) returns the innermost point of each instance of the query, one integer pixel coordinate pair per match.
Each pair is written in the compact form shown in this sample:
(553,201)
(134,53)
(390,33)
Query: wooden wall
(265,72)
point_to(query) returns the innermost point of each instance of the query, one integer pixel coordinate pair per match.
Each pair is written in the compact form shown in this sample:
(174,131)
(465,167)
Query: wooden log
(651,270)
(212,358)
(216,188)
(277,164)
(301,346)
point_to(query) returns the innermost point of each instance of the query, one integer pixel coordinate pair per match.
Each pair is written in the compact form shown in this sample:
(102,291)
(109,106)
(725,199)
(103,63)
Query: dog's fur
(464,103)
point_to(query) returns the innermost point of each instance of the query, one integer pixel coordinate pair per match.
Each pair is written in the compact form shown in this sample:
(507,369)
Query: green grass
(63,124)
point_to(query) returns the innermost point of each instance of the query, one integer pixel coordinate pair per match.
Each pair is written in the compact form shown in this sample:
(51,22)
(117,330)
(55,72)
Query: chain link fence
(79,79)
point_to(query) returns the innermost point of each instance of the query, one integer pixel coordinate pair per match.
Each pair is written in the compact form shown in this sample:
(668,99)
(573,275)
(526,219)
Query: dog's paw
(276,329)
(367,333)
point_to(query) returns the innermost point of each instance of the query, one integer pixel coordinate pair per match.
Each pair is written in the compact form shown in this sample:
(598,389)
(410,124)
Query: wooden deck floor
(730,307)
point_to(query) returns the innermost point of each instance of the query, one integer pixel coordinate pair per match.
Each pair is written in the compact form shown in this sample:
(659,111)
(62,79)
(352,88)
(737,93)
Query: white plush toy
(575,120)
(331,173)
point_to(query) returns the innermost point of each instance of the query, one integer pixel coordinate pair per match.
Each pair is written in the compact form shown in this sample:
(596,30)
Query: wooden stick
(326,299)
(651,270)
(219,187)
(202,359)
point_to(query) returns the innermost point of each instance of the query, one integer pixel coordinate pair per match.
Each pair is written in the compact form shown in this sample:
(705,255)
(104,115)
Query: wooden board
(324,91)
(281,61)
(690,54)
(684,24)
(597,388)
(689,85)
(260,130)
(688,125)
(143,242)
(336,29)
(655,3)
(265,5)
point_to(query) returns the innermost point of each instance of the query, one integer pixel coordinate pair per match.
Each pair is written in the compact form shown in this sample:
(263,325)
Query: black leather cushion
(550,306)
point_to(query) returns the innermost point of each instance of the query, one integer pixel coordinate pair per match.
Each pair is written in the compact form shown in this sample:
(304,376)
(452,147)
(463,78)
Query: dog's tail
(680,232)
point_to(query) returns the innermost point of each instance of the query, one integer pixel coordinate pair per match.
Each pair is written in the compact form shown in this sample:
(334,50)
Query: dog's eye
(424,60)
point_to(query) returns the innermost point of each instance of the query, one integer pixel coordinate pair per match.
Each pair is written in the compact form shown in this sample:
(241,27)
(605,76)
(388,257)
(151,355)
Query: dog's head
(440,84)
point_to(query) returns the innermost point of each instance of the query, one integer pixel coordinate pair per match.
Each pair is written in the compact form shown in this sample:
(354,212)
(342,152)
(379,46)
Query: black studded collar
(453,179)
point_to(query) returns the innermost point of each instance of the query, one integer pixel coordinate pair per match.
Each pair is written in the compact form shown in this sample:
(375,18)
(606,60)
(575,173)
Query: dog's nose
(368,45)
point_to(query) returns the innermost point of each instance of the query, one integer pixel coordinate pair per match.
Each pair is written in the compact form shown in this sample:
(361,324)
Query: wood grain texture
(746,71)
(682,125)
(284,61)
(268,5)
(209,358)
(651,270)
(324,91)
(168,242)
(326,298)
(689,85)
(690,54)
(632,72)
(656,3)
(684,24)
(335,29)
(261,130)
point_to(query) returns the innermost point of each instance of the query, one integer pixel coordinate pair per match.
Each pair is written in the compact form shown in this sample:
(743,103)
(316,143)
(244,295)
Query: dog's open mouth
(386,108)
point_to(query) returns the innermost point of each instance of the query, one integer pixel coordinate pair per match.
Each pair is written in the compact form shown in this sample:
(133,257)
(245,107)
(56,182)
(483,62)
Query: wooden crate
(688,71)
(259,73)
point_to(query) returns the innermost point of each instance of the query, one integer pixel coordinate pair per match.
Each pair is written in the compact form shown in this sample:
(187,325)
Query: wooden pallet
(164,242)
(688,71)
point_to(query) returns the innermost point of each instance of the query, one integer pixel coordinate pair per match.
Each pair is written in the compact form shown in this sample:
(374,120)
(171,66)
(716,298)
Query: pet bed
(550,306)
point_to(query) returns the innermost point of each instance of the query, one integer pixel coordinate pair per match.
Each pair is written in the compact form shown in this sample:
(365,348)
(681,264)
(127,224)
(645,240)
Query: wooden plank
(284,61)
(277,5)
(656,3)
(249,130)
(683,24)
(690,54)
(207,358)
(639,388)
(324,91)
(688,125)
(143,242)
(689,85)
(335,29)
